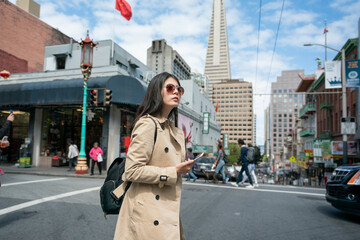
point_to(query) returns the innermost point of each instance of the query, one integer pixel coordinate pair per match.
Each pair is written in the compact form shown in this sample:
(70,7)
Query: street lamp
(87,47)
(343,84)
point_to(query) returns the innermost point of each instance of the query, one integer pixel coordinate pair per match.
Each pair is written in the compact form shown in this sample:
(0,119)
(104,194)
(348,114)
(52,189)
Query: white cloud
(72,25)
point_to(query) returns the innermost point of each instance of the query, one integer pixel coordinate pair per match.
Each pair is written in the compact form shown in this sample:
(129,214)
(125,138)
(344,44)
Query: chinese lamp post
(87,47)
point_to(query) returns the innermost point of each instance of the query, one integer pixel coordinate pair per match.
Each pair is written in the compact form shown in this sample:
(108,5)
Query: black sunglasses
(171,87)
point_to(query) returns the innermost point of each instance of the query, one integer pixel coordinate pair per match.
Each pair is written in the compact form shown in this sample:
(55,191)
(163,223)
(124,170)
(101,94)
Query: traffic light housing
(107,97)
(94,97)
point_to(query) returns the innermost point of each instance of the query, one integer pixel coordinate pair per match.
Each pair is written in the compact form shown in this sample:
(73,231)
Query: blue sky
(185,26)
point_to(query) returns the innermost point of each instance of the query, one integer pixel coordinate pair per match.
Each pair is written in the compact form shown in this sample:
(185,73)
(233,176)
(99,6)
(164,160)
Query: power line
(276,37)
(305,93)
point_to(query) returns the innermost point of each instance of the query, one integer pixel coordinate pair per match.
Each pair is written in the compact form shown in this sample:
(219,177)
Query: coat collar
(160,120)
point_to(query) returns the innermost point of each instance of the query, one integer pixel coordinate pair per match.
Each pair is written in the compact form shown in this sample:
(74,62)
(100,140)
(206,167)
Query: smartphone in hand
(199,156)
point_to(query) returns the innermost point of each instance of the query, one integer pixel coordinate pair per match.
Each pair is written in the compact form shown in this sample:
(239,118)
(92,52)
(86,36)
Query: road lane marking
(34,181)
(293,187)
(258,189)
(47,199)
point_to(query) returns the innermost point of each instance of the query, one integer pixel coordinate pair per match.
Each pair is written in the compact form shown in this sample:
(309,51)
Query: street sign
(226,141)
(352,73)
(333,74)
(348,125)
(200,148)
(206,122)
(292,159)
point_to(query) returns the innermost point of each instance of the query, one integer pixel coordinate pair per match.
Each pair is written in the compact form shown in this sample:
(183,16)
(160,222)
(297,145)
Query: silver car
(203,164)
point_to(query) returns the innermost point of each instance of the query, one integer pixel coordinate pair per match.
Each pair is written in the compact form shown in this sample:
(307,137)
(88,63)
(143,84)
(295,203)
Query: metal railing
(310,107)
(307,132)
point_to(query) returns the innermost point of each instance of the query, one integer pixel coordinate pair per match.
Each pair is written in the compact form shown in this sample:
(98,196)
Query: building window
(60,62)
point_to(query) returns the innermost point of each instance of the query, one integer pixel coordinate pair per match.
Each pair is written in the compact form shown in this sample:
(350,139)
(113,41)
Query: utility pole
(344,105)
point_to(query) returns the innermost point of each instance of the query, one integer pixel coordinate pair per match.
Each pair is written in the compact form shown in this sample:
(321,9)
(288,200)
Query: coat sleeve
(242,155)
(139,154)
(5,128)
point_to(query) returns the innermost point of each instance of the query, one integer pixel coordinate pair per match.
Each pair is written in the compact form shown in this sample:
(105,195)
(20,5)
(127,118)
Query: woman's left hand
(184,167)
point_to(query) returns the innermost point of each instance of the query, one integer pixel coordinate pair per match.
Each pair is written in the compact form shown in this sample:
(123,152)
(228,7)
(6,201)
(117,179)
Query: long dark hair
(153,101)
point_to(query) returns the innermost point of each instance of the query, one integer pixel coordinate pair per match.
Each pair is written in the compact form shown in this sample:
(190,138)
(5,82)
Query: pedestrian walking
(73,154)
(219,163)
(320,177)
(245,164)
(251,166)
(151,206)
(190,156)
(94,157)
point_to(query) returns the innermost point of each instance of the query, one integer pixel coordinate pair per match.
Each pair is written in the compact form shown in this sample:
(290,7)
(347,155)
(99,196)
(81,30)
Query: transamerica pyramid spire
(217,65)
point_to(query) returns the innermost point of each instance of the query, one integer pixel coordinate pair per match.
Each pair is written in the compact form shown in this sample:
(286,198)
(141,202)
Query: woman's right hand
(184,167)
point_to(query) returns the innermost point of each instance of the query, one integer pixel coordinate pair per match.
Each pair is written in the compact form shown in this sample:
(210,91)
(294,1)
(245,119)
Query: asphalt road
(39,207)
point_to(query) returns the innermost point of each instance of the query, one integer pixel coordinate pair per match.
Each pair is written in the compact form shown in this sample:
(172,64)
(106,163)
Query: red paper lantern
(5,74)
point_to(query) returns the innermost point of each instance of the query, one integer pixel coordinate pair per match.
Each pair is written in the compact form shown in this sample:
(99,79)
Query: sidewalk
(53,171)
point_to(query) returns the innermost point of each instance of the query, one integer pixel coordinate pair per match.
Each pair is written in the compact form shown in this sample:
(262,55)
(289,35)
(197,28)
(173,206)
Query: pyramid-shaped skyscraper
(217,65)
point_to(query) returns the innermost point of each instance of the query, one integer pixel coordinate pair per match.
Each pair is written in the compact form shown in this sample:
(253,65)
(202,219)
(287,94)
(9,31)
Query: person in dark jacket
(245,164)
(6,125)
(190,156)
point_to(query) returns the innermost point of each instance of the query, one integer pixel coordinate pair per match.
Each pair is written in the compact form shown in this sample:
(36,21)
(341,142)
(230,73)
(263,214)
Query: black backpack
(250,156)
(226,160)
(109,202)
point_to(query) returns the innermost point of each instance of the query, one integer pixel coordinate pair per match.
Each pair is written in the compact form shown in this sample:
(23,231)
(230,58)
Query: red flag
(217,106)
(125,9)
(325,30)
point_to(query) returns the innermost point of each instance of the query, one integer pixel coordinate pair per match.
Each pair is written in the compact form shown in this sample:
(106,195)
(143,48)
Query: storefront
(49,113)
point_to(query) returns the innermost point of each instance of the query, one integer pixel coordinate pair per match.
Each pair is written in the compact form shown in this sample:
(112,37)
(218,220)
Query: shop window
(61,124)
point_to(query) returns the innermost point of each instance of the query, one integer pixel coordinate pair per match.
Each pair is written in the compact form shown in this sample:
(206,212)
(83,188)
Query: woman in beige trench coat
(151,206)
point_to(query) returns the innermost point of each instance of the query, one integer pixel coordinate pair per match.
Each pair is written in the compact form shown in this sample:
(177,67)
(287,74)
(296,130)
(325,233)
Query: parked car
(343,189)
(204,163)
(230,172)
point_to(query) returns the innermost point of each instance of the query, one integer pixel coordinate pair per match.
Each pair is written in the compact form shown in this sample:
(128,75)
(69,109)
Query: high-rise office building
(217,64)
(235,111)
(254,130)
(285,105)
(162,58)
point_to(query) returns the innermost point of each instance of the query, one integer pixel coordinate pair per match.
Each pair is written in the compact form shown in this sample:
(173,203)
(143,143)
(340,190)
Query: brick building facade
(24,38)
(329,106)
(12,63)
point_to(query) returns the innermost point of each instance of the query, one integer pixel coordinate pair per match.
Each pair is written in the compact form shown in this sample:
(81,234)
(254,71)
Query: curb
(54,174)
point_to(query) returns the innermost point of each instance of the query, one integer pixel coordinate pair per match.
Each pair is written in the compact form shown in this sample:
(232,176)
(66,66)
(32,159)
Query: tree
(234,153)
(264,158)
